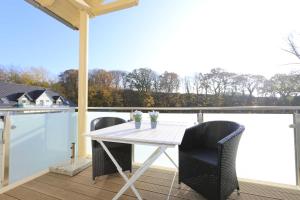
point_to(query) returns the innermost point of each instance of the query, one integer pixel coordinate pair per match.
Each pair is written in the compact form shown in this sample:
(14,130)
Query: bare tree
(197,82)
(219,80)
(169,82)
(202,83)
(3,74)
(118,79)
(253,82)
(69,84)
(141,79)
(293,48)
(238,84)
(187,84)
(101,78)
(156,84)
(283,85)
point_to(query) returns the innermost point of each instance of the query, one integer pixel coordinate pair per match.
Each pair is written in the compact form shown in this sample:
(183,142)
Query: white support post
(83,82)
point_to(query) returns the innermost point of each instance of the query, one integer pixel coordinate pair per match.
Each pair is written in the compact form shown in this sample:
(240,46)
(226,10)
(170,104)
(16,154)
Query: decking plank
(153,172)
(6,197)
(267,191)
(151,193)
(27,194)
(153,185)
(87,190)
(56,192)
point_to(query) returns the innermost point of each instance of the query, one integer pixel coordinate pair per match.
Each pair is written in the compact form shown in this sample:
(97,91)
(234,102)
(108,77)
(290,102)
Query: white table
(165,135)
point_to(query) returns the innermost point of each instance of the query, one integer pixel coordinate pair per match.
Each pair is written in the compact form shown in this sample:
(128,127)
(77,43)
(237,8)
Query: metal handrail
(202,109)
(37,109)
(231,108)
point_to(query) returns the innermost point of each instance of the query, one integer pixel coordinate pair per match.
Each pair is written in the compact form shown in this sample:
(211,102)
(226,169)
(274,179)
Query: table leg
(141,170)
(119,168)
(171,159)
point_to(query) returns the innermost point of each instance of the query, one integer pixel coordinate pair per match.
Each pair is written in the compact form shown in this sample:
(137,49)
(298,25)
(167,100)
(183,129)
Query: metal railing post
(296,126)
(200,117)
(131,115)
(5,149)
(132,146)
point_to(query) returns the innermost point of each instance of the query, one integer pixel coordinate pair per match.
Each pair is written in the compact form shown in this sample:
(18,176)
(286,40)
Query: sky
(241,36)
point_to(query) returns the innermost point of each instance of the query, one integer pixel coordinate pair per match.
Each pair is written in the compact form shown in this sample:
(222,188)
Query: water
(266,151)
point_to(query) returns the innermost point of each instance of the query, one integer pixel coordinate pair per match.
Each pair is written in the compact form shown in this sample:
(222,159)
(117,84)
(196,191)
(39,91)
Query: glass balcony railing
(267,149)
(37,139)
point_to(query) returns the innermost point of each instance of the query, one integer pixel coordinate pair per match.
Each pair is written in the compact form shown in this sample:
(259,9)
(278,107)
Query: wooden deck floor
(154,185)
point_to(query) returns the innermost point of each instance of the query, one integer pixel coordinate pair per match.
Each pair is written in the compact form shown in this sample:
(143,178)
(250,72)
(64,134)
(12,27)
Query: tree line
(145,87)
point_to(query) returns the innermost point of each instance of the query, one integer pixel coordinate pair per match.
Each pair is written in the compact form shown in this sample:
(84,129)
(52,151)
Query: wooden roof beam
(101,9)
(46,3)
(80,4)
(45,8)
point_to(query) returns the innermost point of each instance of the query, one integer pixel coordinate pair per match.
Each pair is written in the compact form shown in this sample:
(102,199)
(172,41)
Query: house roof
(55,98)
(68,11)
(11,92)
(35,94)
(4,102)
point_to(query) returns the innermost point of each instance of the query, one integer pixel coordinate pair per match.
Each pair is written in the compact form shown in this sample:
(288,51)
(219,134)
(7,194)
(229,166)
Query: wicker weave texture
(102,164)
(207,158)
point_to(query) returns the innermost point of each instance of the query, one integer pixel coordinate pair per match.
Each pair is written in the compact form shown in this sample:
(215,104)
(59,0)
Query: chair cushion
(209,156)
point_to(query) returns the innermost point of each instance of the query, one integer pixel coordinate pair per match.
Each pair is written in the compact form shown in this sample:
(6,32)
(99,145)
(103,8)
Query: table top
(166,133)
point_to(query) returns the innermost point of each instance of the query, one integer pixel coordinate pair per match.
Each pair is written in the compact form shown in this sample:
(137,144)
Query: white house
(24,100)
(44,100)
(19,95)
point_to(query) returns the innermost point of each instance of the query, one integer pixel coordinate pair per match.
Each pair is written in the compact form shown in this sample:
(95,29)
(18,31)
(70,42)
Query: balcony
(34,140)
(267,161)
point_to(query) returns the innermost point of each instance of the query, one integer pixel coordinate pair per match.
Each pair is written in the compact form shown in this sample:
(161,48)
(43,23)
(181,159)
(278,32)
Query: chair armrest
(192,138)
(227,150)
(231,136)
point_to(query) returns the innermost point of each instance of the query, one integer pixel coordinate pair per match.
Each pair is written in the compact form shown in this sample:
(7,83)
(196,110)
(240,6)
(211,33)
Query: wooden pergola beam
(101,9)
(67,11)
(80,4)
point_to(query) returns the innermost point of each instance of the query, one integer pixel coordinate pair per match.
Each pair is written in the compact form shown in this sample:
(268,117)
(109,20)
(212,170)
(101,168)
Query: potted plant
(137,116)
(153,117)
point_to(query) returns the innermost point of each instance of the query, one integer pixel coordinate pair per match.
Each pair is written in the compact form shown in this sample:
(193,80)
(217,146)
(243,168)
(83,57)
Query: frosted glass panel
(39,141)
(266,151)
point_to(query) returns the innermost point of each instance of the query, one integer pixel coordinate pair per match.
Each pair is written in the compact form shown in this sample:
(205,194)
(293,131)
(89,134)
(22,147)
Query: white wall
(23,101)
(43,100)
(59,101)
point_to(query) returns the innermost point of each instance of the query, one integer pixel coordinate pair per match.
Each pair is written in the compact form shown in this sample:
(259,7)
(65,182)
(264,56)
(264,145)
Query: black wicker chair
(207,157)
(102,164)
